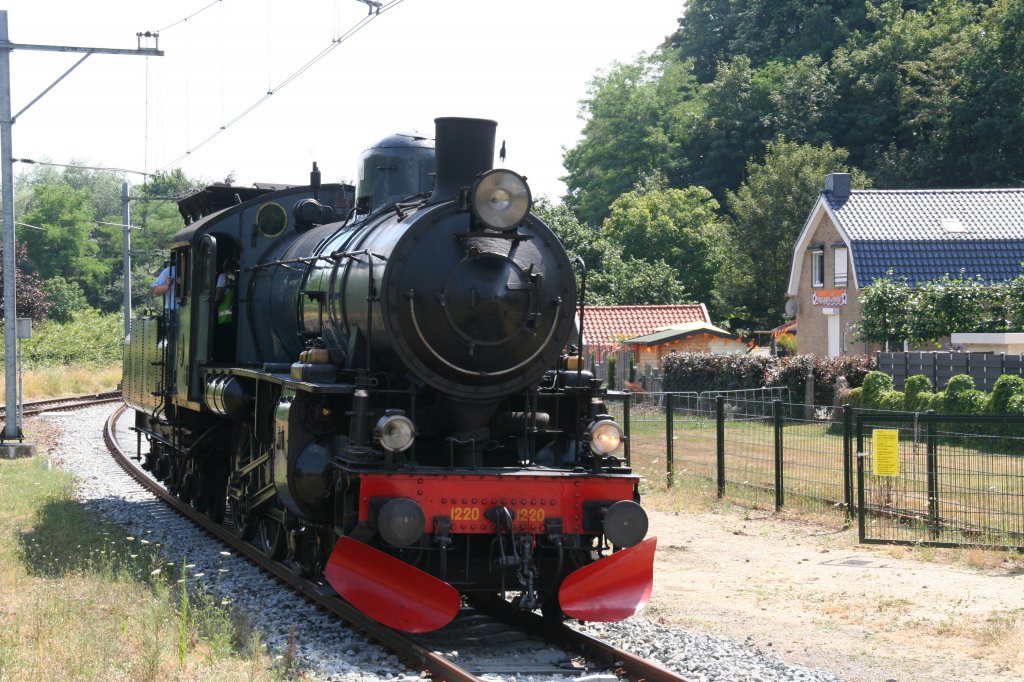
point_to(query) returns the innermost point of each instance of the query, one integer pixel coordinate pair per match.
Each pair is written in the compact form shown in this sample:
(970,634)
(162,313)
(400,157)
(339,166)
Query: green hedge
(90,339)
(700,372)
(960,396)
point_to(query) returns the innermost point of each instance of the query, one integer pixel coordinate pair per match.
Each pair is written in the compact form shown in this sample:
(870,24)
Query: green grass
(980,489)
(83,601)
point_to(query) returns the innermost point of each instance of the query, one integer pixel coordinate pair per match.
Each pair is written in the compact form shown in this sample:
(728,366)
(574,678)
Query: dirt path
(815,597)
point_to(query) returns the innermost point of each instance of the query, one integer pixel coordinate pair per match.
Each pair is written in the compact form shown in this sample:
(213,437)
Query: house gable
(821,211)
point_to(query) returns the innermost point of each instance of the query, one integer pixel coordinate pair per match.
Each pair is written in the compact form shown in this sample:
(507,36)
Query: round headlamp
(396,432)
(605,436)
(501,199)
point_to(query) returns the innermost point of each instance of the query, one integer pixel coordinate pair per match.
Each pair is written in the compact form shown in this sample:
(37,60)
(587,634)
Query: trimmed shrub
(921,403)
(960,396)
(959,384)
(970,402)
(1006,388)
(917,393)
(1015,405)
(889,400)
(875,384)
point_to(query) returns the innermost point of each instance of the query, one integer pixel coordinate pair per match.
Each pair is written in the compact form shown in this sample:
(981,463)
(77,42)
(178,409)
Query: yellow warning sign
(887,452)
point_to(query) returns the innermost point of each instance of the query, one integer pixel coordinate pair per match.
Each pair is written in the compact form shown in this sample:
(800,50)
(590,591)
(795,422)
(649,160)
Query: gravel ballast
(330,650)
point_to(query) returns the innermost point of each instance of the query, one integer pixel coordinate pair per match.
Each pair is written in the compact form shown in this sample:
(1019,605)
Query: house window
(840,270)
(818,267)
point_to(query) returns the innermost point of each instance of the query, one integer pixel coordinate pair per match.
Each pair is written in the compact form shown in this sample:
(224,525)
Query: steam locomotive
(391,405)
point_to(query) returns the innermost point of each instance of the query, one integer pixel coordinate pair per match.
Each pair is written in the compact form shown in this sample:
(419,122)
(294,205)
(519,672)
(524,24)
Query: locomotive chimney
(463,148)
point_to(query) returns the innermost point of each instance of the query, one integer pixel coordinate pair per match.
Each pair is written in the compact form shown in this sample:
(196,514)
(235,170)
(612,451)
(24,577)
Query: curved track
(417,651)
(67,403)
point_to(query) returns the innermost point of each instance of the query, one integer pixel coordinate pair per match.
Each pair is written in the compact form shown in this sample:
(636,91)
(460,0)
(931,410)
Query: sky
(524,63)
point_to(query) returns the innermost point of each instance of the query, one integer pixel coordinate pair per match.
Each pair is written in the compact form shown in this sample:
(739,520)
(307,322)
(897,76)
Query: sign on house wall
(829,298)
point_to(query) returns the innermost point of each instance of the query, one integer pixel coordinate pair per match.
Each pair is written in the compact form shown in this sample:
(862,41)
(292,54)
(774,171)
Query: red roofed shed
(605,327)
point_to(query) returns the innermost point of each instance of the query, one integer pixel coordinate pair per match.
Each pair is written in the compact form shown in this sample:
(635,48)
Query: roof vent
(953,225)
(837,185)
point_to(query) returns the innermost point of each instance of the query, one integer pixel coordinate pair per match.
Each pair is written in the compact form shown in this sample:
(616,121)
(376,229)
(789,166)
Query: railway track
(66,403)
(464,650)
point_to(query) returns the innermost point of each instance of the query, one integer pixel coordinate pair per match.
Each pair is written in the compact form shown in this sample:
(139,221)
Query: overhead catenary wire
(361,24)
(196,13)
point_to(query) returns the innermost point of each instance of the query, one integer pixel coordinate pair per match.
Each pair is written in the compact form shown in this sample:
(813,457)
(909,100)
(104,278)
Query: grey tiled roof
(903,231)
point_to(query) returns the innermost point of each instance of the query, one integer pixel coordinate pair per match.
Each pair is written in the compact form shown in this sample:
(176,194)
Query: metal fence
(969,490)
(947,480)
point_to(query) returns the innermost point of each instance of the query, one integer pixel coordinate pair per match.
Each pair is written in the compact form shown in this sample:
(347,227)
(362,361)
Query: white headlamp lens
(501,199)
(396,433)
(605,437)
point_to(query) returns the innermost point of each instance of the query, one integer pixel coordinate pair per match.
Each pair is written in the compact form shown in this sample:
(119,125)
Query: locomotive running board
(613,588)
(389,590)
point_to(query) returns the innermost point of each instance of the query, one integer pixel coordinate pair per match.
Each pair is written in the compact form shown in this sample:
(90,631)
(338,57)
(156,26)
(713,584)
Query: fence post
(720,443)
(809,396)
(848,459)
(780,493)
(625,427)
(669,437)
(860,483)
(933,476)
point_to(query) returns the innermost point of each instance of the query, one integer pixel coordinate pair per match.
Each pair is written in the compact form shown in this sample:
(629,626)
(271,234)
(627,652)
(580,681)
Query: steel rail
(411,652)
(638,669)
(440,668)
(66,403)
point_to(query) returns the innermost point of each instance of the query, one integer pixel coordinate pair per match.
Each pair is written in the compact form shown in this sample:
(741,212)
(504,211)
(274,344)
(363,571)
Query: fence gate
(941,480)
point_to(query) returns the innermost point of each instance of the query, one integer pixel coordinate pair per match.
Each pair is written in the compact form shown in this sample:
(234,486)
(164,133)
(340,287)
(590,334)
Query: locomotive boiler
(389,399)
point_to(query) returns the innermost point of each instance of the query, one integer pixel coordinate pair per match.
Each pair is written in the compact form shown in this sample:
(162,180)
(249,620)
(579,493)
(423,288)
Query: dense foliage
(91,339)
(755,102)
(892,311)
(699,372)
(77,236)
(30,294)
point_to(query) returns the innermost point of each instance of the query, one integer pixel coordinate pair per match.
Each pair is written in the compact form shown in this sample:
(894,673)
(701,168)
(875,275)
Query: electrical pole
(126,242)
(11,444)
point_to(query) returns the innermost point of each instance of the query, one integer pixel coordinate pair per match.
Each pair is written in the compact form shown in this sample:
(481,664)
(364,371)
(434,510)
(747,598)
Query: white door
(834,336)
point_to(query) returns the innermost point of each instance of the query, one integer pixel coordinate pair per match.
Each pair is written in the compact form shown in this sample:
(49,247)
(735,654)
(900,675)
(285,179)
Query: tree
(66,299)
(987,104)
(29,294)
(898,86)
(631,114)
(947,305)
(712,32)
(885,307)
(680,227)
(769,211)
(67,245)
(612,279)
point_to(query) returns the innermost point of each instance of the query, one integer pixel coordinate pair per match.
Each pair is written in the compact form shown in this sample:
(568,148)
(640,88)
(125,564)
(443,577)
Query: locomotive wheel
(242,525)
(162,468)
(186,491)
(270,537)
(216,504)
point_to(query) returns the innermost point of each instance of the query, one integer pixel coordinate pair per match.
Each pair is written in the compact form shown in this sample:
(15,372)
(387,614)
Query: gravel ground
(331,651)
